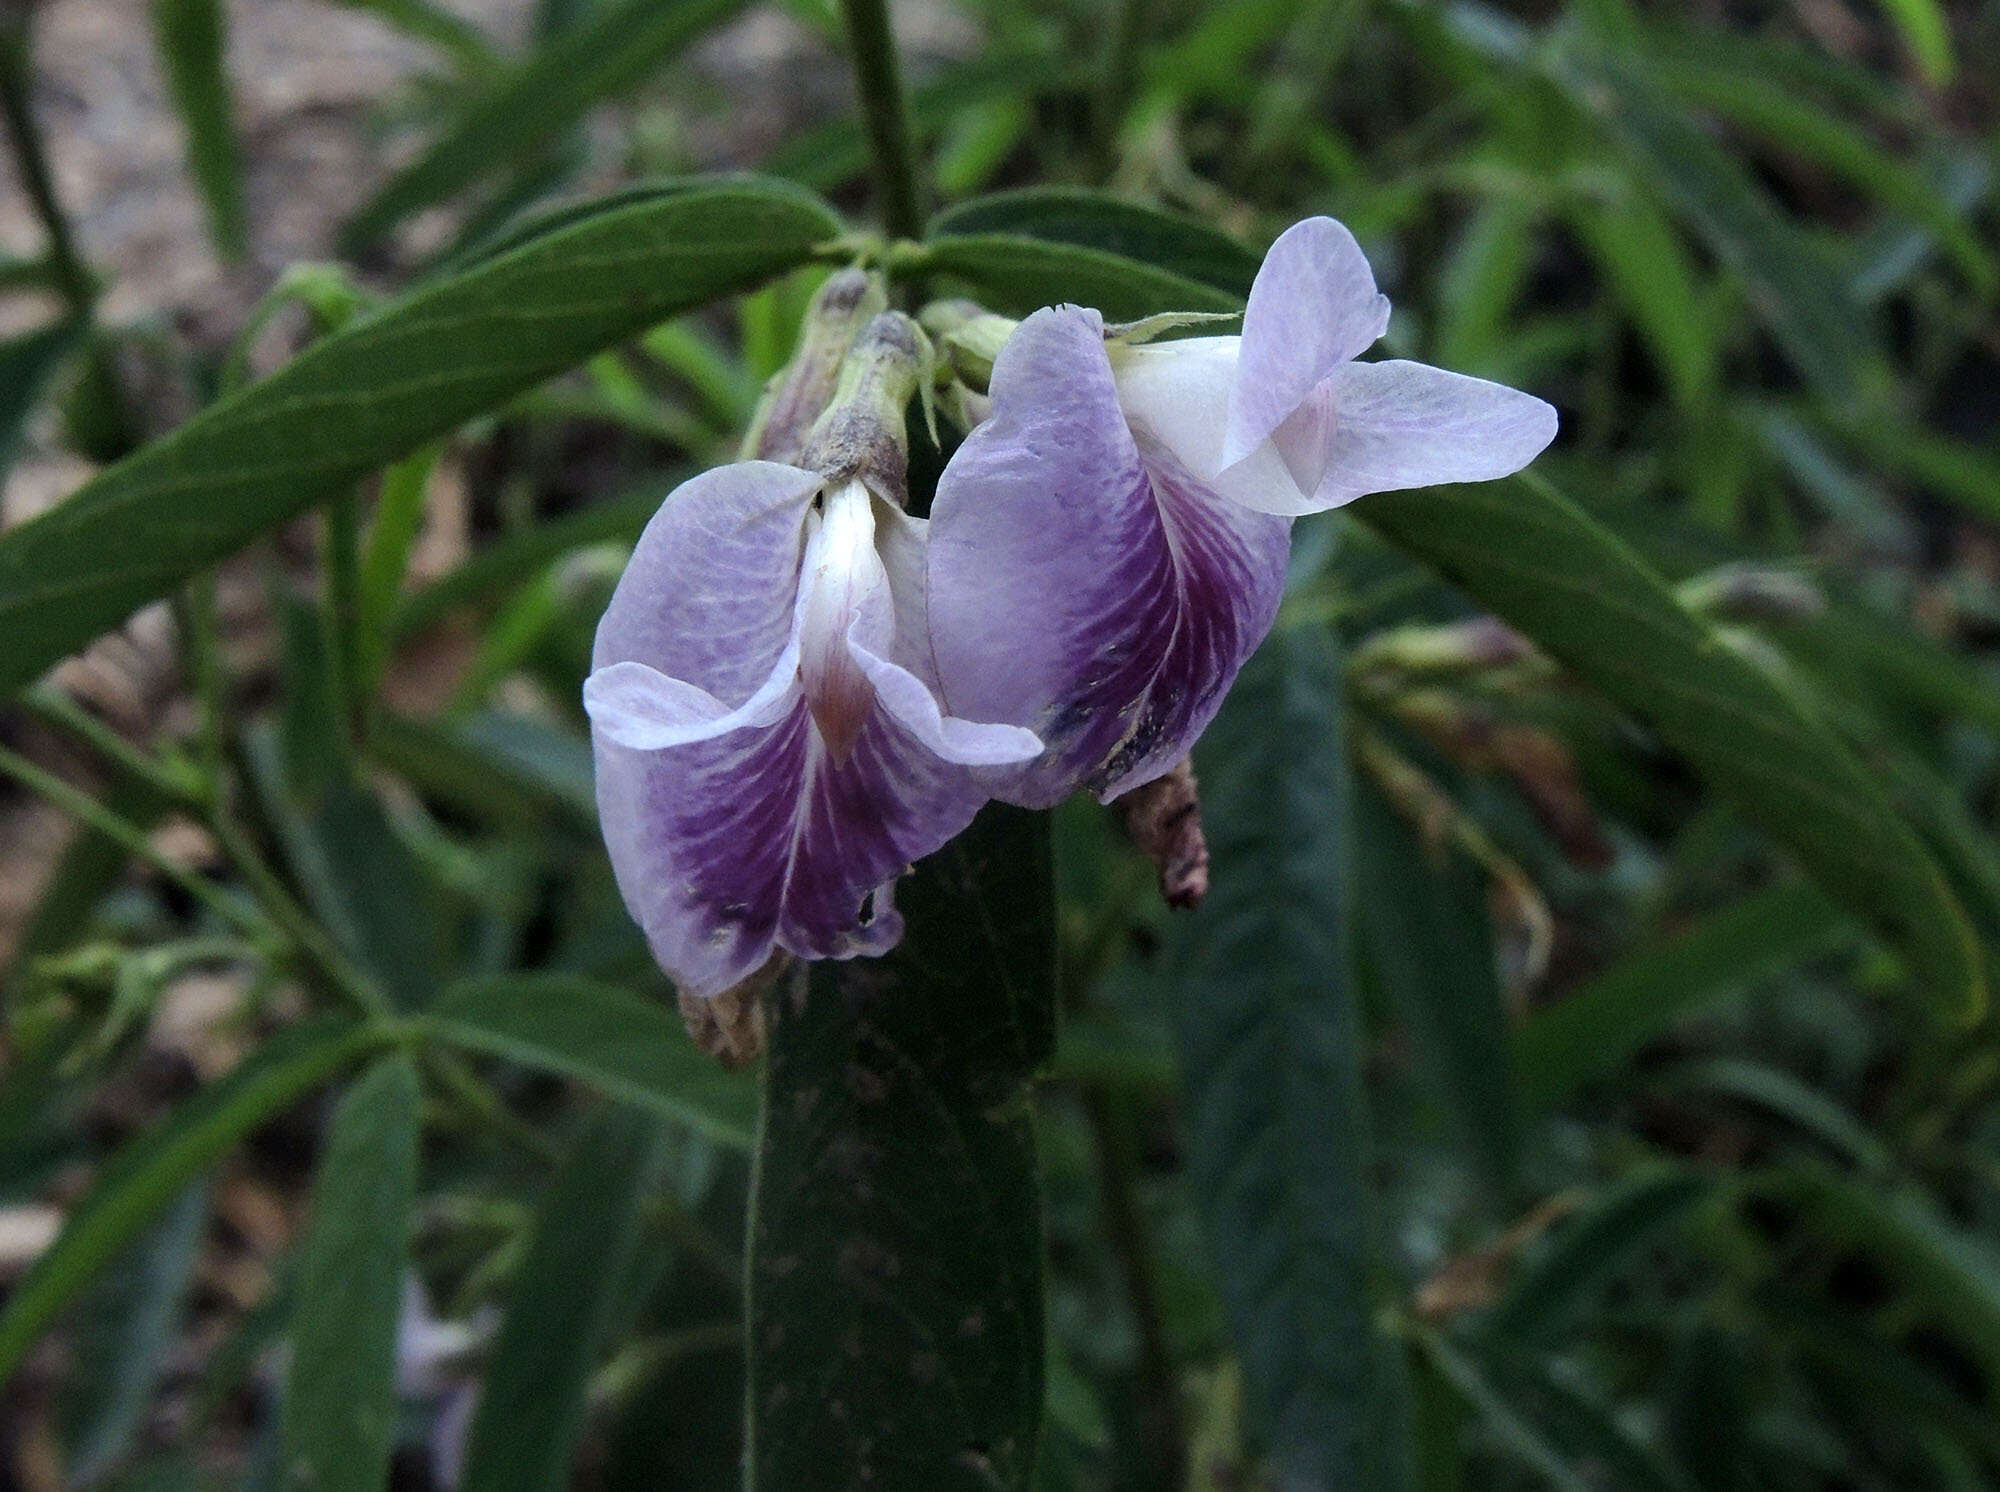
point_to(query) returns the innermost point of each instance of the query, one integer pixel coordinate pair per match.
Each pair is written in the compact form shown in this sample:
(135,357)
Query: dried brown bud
(1164,819)
(730,1026)
(804,387)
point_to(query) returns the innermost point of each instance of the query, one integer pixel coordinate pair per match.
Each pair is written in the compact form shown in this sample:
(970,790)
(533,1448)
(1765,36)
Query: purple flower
(1110,546)
(770,750)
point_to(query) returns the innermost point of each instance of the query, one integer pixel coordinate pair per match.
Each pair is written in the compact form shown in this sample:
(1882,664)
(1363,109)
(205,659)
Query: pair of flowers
(799,689)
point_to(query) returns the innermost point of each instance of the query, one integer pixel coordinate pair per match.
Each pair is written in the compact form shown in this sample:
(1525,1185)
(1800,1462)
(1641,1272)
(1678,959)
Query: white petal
(1399,424)
(642,709)
(1178,394)
(1313,307)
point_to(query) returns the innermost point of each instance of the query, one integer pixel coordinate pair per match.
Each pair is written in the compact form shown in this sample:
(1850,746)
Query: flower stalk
(885,115)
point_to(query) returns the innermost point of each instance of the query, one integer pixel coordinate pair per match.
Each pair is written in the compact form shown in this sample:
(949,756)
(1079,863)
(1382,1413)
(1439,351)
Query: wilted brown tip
(1164,821)
(730,1026)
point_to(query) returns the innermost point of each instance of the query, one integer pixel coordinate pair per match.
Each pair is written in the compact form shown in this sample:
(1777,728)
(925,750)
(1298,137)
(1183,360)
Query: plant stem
(885,115)
(1159,1384)
(1120,82)
(66,266)
(92,814)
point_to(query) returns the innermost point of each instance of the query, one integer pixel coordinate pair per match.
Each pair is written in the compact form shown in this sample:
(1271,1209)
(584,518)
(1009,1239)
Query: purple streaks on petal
(1313,307)
(1399,424)
(1101,597)
(733,830)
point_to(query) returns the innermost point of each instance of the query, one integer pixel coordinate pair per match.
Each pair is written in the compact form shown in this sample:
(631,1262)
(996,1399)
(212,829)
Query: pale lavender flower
(770,750)
(1110,546)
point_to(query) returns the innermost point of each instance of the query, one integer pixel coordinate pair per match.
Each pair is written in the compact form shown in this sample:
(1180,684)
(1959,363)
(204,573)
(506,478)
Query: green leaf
(1271,1037)
(1547,568)
(1797,287)
(495,765)
(533,1397)
(836,152)
(27,362)
(1927,34)
(191,36)
(464,42)
(129,1321)
(1638,253)
(1588,1253)
(373,393)
(630,1049)
(1741,95)
(895,1295)
(615,48)
(1017,275)
(358,877)
(340,1395)
(1517,1436)
(157,1166)
(1786,1097)
(1068,215)
(1953,1272)
(526,552)
(392,539)
(1428,943)
(1594,1028)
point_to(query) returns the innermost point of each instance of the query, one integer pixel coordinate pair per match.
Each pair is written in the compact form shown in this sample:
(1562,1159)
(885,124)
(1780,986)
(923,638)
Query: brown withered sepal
(1163,819)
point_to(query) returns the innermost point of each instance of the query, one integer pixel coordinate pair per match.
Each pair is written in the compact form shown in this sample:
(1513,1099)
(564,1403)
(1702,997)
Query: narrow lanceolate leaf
(523,110)
(895,1326)
(129,1321)
(1428,943)
(1550,570)
(191,38)
(26,363)
(1588,1254)
(534,1395)
(1066,215)
(1597,1026)
(1271,1040)
(628,1048)
(1949,1270)
(1795,285)
(340,1395)
(373,393)
(1019,275)
(157,1166)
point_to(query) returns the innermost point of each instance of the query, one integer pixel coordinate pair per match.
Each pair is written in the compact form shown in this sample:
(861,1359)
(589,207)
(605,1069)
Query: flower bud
(969,336)
(861,435)
(797,394)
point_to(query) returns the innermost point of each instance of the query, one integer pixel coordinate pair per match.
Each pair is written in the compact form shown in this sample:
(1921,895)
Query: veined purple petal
(708,595)
(1397,424)
(1084,583)
(1313,307)
(735,822)
(729,846)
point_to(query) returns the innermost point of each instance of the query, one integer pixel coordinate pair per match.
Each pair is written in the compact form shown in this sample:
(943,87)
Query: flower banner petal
(1100,597)
(708,595)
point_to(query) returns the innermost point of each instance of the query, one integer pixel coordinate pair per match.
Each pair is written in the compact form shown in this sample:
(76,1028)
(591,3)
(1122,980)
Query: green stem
(65,264)
(885,115)
(1121,78)
(1159,1384)
(59,710)
(92,814)
(343,610)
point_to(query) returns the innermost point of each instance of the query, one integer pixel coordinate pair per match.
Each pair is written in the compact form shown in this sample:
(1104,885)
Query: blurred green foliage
(1524,1109)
